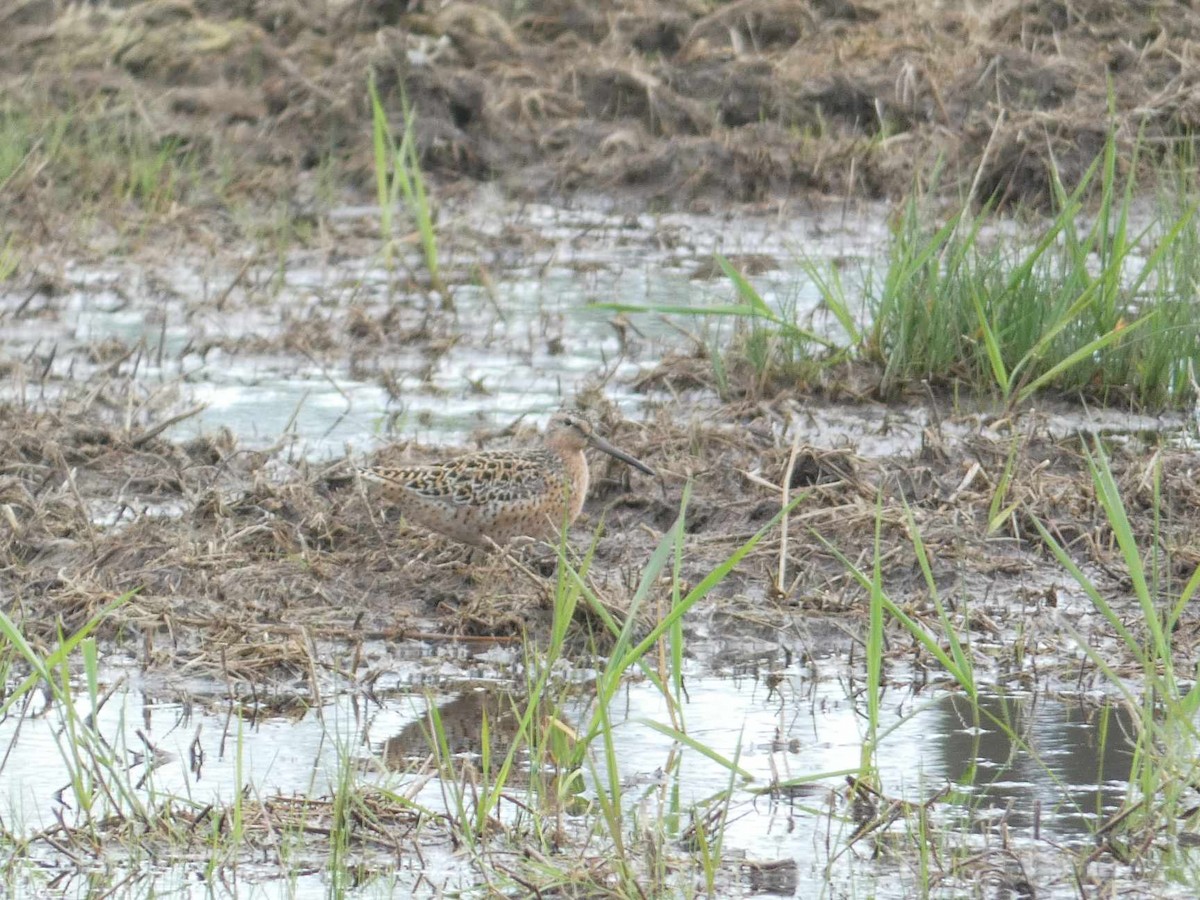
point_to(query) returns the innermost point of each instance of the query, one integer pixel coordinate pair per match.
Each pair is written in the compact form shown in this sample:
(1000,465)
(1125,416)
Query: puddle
(879,431)
(1047,776)
(118,513)
(267,347)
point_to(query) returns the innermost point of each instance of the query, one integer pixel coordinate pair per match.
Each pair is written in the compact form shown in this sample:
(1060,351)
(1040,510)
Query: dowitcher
(498,495)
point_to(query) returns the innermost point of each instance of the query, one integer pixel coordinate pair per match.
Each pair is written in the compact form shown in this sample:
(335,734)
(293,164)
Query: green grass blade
(1073,359)
(745,289)
(703,749)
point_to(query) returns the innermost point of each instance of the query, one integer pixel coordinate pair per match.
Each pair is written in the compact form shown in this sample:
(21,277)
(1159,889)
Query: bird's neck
(575,472)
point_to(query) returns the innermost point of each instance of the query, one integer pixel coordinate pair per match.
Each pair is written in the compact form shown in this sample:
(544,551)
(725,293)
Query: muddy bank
(671,102)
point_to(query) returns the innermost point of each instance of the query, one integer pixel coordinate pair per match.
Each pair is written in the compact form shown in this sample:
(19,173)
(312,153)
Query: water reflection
(1039,763)
(1045,767)
(1028,757)
(460,723)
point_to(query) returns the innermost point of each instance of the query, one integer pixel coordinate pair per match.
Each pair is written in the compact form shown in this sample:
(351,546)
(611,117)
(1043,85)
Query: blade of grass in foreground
(623,659)
(1114,510)
(833,295)
(752,307)
(962,674)
(44,667)
(875,647)
(1166,752)
(1155,657)
(702,749)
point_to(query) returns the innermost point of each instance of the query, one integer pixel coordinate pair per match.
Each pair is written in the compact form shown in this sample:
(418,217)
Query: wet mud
(185,394)
(243,565)
(672,102)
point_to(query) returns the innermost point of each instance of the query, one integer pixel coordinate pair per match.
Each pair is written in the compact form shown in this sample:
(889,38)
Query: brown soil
(676,101)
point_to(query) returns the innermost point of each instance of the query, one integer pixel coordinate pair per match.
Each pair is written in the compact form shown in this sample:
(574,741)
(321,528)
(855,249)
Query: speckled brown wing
(478,479)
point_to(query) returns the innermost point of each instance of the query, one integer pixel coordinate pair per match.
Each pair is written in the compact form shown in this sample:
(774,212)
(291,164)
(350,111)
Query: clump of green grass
(398,174)
(91,155)
(1165,699)
(1089,306)
(1085,307)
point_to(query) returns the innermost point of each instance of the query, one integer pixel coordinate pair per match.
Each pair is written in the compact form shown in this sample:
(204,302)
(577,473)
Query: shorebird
(493,496)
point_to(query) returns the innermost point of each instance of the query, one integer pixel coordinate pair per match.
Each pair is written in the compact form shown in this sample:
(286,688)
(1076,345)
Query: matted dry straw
(248,568)
(756,100)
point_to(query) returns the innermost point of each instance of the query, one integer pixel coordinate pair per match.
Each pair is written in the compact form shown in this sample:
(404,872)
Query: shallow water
(524,339)
(1046,773)
(520,343)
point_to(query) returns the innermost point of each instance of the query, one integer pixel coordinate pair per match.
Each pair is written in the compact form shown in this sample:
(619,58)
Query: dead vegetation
(674,101)
(386,827)
(249,568)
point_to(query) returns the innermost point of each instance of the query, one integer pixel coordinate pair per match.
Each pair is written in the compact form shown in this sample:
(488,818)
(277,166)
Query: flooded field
(266,681)
(1024,774)
(893,302)
(328,347)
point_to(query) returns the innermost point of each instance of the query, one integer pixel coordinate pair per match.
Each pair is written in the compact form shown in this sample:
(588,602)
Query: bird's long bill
(601,444)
